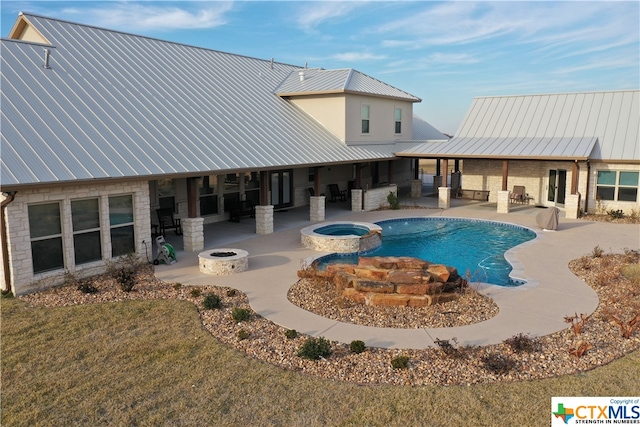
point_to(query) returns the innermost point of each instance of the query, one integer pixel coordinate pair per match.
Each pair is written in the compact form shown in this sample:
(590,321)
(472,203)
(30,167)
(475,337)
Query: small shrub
(231,292)
(86,286)
(7,295)
(580,349)
(126,278)
(521,343)
(291,333)
(242,335)
(357,346)
(211,301)
(498,364)
(626,327)
(195,292)
(400,362)
(615,214)
(392,198)
(315,348)
(177,286)
(577,322)
(597,252)
(240,314)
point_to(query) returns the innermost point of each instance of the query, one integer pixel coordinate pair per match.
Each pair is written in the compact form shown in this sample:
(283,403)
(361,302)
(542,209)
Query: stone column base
(503,202)
(416,188)
(193,234)
(444,197)
(317,208)
(356,200)
(264,219)
(572,206)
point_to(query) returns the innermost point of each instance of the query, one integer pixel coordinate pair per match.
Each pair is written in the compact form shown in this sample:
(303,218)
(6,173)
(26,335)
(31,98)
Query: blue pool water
(475,247)
(342,230)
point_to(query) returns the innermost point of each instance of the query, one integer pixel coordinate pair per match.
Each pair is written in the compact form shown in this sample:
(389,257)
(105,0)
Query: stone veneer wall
(533,175)
(376,198)
(23,280)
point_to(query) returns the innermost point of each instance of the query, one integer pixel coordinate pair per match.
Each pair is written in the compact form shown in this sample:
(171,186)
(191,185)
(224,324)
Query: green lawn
(151,363)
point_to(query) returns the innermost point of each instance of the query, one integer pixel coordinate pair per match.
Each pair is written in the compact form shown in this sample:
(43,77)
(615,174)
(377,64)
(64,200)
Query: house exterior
(100,128)
(579,152)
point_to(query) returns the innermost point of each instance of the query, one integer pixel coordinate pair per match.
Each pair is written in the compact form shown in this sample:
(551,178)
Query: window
(45,230)
(85,217)
(166,194)
(617,186)
(207,189)
(365,118)
(121,224)
(398,120)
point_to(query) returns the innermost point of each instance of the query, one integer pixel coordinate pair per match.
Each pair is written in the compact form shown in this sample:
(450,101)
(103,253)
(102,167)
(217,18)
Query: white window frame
(397,129)
(365,118)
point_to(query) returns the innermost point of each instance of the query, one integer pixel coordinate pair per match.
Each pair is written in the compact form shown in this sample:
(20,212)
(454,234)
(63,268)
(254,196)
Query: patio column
(444,191)
(390,171)
(192,227)
(572,201)
(505,175)
(264,212)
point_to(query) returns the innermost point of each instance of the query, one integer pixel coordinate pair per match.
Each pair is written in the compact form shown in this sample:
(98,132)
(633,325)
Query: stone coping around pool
(223,264)
(341,244)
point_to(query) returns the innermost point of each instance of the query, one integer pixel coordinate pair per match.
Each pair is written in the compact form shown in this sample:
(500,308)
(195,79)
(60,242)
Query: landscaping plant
(240,314)
(315,348)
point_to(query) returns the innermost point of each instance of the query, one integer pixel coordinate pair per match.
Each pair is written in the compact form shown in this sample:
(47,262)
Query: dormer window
(365,111)
(398,128)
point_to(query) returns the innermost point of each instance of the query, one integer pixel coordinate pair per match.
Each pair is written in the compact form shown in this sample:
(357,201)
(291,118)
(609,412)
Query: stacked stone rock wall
(392,281)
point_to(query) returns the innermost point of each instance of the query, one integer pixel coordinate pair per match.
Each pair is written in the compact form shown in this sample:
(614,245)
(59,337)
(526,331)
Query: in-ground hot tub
(220,262)
(342,236)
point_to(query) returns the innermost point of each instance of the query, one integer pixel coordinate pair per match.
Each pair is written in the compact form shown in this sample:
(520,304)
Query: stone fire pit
(223,261)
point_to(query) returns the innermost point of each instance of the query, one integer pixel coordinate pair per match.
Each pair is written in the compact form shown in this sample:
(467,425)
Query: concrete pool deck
(536,308)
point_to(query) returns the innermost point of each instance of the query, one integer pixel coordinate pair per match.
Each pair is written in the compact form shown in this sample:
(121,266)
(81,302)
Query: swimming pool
(475,247)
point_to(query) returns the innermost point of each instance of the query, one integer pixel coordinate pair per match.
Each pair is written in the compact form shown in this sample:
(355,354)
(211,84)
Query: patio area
(551,293)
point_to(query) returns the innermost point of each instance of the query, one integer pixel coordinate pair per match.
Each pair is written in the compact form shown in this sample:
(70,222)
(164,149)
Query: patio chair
(336,194)
(517,195)
(168,222)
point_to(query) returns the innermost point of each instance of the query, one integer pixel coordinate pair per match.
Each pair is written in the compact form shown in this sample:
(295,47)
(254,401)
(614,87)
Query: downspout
(5,244)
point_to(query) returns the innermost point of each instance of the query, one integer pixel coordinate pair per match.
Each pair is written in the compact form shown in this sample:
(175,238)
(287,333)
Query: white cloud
(314,13)
(136,16)
(357,56)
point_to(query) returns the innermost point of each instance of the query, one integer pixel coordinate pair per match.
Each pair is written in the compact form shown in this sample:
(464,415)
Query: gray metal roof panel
(520,147)
(613,118)
(119,105)
(317,80)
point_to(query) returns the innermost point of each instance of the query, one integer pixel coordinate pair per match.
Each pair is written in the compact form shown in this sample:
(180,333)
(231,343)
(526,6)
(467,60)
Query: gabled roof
(117,105)
(313,81)
(577,126)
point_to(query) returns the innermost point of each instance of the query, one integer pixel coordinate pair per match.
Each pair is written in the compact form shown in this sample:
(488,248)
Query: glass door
(557,188)
(281,189)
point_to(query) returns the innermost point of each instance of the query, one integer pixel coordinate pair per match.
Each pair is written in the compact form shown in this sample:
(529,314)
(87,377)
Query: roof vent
(301,74)
(47,53)
(271,65)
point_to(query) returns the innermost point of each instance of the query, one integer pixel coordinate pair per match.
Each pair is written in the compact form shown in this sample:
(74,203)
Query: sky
(445,53)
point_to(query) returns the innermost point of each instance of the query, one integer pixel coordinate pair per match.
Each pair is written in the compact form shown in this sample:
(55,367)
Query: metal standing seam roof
(318,81)
(589,125)
(119,105)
